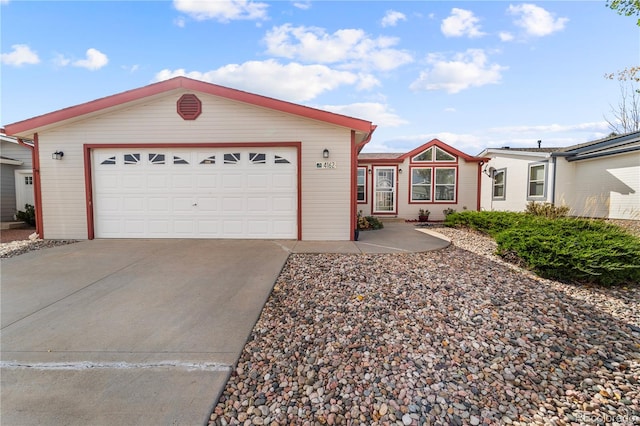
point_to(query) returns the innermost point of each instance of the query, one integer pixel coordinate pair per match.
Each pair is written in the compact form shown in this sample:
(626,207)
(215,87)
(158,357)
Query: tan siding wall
(467,193)
(605,187)
(325,193)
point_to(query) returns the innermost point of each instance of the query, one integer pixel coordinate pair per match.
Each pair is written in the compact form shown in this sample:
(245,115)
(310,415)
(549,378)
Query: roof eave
(26,128)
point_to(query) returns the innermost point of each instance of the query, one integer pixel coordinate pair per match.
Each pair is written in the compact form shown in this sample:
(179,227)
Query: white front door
(24,189)
(231,192)
(384,190)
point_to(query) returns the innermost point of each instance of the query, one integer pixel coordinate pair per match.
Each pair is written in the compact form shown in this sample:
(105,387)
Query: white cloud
(94,60)
(60,60)
(506,36)
(595,126)
(375,112)
(464,70)
(20,55)
(392,17)
(4,1)
(180,22)
(222,10)
(449,109)
(304,5)
(131,68)
(293,82)
(461,23)
(350,48)
(535,20)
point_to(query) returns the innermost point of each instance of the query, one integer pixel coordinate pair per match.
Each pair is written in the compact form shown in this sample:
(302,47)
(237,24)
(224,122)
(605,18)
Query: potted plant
(423,215)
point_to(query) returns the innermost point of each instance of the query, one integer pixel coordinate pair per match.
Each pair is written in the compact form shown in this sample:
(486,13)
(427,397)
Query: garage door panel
(258,205)
(206,181)
(157,181)
(133,204)
(133,181)
(159,204)
(182,181)
(209,204)
(233,205)
(232,181)
(180,193)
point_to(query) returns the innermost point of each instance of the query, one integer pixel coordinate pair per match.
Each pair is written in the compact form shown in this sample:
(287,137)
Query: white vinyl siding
(607,187)
(326,212)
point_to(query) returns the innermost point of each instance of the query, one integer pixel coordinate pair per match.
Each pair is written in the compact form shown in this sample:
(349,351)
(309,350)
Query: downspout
(37,188)
(355,150)
(479,190)
(553,187)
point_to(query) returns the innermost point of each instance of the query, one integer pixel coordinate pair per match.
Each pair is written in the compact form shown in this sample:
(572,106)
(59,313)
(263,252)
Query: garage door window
(209,160)
(109,161)
(257,158)
(131,158)
(156,158)
(281,160)
(233,158)
(179,160)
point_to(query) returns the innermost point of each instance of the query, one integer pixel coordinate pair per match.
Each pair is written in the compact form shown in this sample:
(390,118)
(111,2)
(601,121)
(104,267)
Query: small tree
(625,7)
(626,115)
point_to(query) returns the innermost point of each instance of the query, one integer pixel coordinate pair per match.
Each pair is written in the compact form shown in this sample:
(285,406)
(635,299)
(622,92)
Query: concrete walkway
(142,332)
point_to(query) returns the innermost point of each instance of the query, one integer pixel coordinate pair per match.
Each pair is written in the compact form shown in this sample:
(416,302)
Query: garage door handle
(194,204)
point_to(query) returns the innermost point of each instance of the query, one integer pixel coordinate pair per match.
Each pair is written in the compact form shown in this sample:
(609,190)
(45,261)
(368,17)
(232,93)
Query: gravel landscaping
(451,337)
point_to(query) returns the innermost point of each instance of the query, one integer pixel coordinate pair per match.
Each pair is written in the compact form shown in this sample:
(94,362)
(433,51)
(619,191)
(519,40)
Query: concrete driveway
(128,332)
(142,332)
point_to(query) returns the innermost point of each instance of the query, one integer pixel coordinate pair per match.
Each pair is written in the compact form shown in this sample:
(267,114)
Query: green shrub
(369,222)
(565,249)
(28,215)
(546,210)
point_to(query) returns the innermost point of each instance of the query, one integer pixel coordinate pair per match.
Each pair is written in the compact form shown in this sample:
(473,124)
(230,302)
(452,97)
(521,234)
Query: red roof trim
(186,83)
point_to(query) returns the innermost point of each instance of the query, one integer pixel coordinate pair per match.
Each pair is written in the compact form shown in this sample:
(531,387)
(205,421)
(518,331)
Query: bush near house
(564,249)
(28,215)
(368,222)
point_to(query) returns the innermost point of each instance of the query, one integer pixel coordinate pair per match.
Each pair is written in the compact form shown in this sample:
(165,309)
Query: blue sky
(474,74)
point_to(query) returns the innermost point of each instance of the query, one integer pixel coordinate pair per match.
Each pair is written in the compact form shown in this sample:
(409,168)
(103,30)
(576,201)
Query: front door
(24,189)
(384,190)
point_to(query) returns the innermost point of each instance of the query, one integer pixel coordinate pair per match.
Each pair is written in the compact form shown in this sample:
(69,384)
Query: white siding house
(599,179)
(188,159)
(434,177)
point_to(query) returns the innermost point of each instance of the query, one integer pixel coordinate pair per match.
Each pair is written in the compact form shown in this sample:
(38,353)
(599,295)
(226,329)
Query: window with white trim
(537,178)
(445,187)
(362,184)
(499,184)
(421,184)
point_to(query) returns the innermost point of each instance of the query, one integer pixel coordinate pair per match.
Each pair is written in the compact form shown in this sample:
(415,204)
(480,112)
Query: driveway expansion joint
(88,365)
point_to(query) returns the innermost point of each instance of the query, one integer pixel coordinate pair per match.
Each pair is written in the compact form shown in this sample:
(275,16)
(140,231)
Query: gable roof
(400,157)
(27,127)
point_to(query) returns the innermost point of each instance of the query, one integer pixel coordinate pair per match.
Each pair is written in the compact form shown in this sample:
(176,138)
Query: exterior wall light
(325,153)
(57,155)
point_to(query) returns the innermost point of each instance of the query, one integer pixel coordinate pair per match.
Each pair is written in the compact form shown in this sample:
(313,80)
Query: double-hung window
(499,184)
(421,184)
(537,181)
(433,184)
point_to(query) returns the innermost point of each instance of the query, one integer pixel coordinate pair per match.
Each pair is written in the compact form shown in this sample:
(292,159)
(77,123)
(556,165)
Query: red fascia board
(381,161)
(189,84)
(445,147)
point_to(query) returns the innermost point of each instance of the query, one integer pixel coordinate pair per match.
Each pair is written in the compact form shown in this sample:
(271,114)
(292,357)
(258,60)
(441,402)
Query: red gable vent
(189,107)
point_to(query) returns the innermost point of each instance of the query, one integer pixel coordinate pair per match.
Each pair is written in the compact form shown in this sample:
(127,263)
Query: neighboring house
(16,177)
(434,177)
(187,159)
(598,179)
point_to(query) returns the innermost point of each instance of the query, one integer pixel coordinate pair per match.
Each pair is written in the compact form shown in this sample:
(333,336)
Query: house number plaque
(326,165)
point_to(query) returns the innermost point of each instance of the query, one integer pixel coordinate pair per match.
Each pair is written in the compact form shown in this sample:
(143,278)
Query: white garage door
(195,193)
